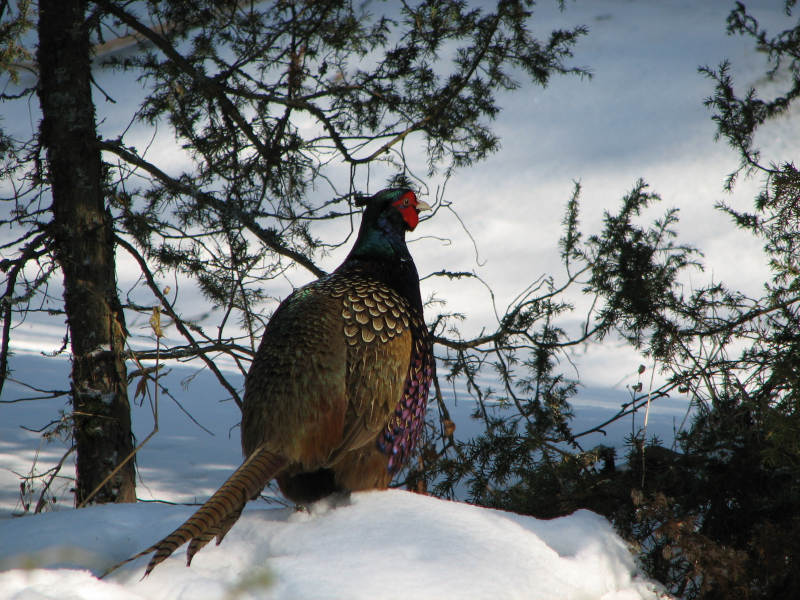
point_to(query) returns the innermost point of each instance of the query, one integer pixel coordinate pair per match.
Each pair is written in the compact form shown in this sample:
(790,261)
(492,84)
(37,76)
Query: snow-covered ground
(391,544)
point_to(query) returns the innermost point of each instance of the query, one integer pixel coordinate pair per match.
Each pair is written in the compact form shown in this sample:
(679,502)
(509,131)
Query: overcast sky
(641,115)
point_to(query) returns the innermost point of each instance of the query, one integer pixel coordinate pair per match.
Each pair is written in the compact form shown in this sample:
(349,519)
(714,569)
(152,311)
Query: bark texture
(84,247)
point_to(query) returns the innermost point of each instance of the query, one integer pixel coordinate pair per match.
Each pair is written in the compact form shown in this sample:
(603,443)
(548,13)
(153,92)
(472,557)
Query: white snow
(391,544)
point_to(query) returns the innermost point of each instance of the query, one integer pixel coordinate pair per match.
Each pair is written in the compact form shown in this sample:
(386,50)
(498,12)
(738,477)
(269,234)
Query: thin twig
(41,502)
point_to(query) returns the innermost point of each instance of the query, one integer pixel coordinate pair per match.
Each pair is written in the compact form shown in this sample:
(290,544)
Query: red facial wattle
(409,208)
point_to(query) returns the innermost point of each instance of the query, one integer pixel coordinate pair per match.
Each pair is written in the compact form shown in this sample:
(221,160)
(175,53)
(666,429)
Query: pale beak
(422,205)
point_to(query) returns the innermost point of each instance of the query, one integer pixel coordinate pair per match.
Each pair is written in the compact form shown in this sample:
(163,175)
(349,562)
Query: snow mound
(389,544)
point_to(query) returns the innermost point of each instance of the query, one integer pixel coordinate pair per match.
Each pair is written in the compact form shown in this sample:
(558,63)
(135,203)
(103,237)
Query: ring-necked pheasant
(335,397)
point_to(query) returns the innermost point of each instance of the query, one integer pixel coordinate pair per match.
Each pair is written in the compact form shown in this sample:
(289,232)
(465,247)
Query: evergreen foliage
(715,517)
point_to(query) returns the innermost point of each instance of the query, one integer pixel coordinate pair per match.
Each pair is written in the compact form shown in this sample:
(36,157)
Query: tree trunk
(84,247)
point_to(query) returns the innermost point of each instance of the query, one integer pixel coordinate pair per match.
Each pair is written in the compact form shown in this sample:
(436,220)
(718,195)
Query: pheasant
(335,397)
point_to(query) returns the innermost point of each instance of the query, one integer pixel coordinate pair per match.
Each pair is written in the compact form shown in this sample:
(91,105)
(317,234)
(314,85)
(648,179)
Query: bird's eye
(405,201)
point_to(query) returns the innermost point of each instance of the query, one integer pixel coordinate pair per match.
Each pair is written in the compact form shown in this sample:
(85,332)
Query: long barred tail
(220,512)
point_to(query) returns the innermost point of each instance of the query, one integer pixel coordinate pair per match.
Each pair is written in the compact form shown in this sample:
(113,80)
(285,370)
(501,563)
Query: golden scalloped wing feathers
(376,326)
(329,372)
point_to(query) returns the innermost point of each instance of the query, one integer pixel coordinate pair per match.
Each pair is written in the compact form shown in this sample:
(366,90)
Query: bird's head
(387,216)
(396,206)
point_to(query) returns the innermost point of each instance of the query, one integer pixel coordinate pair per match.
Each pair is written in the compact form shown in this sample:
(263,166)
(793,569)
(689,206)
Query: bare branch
(179,324)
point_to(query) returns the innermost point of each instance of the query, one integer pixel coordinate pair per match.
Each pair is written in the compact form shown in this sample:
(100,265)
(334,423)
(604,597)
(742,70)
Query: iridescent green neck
(374,244)
(381,240)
